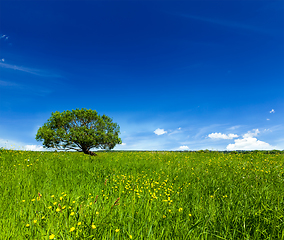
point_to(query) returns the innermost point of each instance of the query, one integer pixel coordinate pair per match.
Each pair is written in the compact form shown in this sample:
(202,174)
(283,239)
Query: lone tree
(79,130)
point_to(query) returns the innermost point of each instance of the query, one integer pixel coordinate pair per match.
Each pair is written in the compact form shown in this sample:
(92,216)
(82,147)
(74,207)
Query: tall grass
(141,195)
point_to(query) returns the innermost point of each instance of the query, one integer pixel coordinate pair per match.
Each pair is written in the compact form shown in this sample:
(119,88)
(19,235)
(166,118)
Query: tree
(79,130)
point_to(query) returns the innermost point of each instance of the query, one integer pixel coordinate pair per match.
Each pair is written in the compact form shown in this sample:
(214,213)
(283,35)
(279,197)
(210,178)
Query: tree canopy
(79,130)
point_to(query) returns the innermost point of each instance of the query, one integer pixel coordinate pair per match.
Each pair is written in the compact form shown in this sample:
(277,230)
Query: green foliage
(80,130)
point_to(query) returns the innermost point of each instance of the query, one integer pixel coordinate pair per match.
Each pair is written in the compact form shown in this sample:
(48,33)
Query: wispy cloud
(272,111)
(175,131)
(6,83)
(33,71)
(4,37)
(224,23)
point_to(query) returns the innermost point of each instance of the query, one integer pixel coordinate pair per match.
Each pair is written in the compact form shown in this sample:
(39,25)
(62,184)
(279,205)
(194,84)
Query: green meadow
(141,195)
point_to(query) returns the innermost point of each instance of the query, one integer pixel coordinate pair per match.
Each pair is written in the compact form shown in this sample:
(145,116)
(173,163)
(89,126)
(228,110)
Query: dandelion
(35,221)
(49,207)
(79,223)
(189,215)
(33,200)
(61,198)
(164,216)
(72,229)
(72,213)
(51,236)
(52,196)
(180,209)
(130,236)
(97,213)
(54,203)
(43,217)
(23,200)
(27,225)
(94,226)
(116,230)
(58,209)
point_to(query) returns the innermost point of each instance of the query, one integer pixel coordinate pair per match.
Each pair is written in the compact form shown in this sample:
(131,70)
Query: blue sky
(175,75)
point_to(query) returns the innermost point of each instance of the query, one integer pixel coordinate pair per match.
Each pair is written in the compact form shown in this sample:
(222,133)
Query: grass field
(141,195)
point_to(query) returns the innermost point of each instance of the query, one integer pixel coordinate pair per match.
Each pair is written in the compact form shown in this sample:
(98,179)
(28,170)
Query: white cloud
(122,144)
(250,134)
(33,148)
(159,131)
(14,145)
(222,136)
(272,111)
(183,148)
(249,143)
(3,60)
(267,119)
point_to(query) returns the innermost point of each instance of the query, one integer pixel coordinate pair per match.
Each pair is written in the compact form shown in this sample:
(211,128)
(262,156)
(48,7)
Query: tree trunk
(89,152)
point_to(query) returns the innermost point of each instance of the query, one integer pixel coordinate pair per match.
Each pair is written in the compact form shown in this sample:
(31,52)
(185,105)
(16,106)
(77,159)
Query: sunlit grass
(141,195)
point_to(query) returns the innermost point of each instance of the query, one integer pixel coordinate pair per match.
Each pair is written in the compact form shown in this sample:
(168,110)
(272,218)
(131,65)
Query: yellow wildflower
(72,229)
(116,230)
(51,236)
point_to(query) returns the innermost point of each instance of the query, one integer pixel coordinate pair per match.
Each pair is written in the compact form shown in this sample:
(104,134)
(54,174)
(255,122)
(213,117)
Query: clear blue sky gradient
(175,75)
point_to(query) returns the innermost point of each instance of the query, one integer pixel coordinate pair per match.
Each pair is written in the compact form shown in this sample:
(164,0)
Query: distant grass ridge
(141,195)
